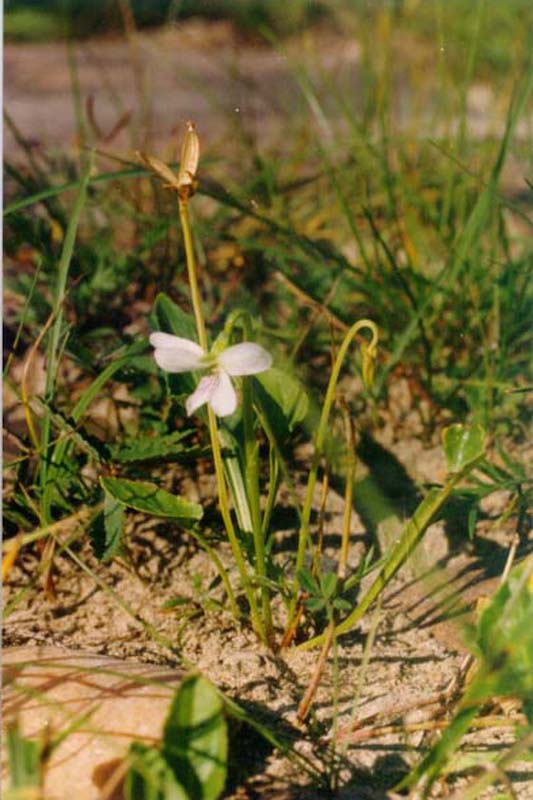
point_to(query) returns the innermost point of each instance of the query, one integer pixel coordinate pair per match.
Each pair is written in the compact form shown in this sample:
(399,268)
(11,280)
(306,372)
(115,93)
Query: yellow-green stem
(192,273)
(213,428)
(348,495)
(228,523)
(318,452)
(252,491)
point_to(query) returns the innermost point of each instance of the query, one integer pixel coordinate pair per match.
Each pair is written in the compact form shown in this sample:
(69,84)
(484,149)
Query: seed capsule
(184,182)
(190,156)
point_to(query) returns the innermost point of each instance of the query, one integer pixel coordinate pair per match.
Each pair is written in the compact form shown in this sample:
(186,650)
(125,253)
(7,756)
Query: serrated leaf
(462,444)
(195,740)
(150,777)
(106,530)
(113,522)
(148,448)
(147,497)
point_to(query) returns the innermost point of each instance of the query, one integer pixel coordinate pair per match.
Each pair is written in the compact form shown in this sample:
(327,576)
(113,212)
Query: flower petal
(202,393)
(217,390)
(246,358)
(175,354)
(223,399)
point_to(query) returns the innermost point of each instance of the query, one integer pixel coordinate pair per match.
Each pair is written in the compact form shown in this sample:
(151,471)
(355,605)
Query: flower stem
(213,428)
(251,467)
(251,477)
(303,536)
(192,272)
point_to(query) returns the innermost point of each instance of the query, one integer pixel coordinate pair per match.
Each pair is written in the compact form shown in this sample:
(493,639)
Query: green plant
(191,762)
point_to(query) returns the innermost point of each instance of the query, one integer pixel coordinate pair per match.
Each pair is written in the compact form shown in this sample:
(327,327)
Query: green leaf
(233,471)
(195,740)
(401,550)
(148,448)
(341,605)
(307,582)
(106,530)
(150,777)
(328,583)
(462,445)
(168,317)
(315,604)
(24,756)
(113,520)
(504,639)
(504,645)
(283,400)
(147,497)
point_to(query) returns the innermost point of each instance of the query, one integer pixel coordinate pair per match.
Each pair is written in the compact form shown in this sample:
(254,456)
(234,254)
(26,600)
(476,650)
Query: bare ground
(417,651)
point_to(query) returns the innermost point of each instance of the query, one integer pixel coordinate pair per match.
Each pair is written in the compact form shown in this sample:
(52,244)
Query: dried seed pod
(160,169)
(190,156)
(184,183)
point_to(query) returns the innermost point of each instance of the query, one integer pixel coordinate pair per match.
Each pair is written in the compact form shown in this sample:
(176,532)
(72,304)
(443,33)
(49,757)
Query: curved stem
(303,535)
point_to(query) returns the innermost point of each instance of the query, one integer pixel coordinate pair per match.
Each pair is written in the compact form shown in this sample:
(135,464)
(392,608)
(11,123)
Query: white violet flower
(175,354)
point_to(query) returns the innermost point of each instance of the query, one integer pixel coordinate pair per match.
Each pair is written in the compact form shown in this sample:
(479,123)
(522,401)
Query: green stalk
(410,537)
(212,422)
(251,477)
(303,536)
(57,312)
(251,469)
(274,475)
(190,258)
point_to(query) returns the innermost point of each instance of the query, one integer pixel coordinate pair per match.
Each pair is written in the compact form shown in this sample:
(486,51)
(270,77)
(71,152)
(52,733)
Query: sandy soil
(416,653)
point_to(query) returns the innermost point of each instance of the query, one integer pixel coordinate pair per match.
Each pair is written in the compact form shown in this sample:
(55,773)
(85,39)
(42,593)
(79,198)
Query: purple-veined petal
(202,393)
(223,398)
(175,354)
(246,358)
(217,390)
